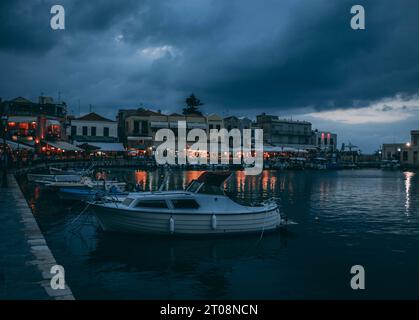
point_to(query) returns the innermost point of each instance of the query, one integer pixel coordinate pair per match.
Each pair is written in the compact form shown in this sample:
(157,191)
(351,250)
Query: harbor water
(342,218)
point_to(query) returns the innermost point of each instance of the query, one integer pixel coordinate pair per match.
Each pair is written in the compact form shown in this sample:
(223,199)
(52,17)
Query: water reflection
(359,212)
(210,261)
(408,185)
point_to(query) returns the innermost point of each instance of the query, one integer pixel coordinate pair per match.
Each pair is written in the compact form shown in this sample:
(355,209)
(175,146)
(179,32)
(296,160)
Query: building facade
(325,141)
(214,121)
(240,123)
(93,127)
(406,153)
(30,122)
(284,132)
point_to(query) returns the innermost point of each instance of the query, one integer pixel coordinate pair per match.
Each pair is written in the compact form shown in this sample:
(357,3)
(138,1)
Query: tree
(192,104)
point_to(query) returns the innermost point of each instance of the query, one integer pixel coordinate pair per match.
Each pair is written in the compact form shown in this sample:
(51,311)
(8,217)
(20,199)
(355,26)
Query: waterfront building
(214,121)
(137,128)
(30,122)
(93,127)
(240,123)
(392,151)
(324,140)
(285,132)
(406,153)
(96,134)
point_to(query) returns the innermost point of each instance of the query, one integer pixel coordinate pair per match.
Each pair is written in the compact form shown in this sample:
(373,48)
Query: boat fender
(214,222)
(171,225)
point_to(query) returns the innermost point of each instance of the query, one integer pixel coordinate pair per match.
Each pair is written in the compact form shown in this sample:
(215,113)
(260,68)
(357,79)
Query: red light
(322,135)
(12,124)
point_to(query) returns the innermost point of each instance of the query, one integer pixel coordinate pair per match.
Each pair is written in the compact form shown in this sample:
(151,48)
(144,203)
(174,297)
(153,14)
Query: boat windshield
(127,201)
(211,189)
(193,186)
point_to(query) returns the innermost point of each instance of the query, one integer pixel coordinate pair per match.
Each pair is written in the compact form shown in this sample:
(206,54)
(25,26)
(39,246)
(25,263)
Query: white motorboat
(202,209)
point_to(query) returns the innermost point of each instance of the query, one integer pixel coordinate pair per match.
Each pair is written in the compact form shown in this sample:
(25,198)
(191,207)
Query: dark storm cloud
(24,27)
(235,55)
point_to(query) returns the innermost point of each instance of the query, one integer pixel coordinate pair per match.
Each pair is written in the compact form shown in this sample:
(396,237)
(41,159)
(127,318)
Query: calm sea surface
(344,218)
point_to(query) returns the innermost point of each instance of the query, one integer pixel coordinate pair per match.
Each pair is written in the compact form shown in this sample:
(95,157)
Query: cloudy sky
(292,58)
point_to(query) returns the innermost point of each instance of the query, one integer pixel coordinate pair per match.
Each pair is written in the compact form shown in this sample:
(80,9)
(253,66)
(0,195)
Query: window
(161,204)
(93,131)
(73,131)
(106,132)
(405,156)
(193,186)
(127,201)
(84,131)
(185,204)
(331,142)
(144,127)
(136,126)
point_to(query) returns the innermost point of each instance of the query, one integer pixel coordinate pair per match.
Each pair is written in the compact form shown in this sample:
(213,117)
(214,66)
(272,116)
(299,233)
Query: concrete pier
(25,259)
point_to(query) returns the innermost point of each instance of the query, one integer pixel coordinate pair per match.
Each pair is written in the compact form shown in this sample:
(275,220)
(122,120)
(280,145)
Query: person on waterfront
(138,187)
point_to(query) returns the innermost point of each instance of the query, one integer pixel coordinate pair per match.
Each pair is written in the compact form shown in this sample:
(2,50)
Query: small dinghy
(202,209)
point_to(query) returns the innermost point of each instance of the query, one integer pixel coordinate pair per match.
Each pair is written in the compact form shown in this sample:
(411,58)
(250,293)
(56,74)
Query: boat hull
(117,220)
(53,178)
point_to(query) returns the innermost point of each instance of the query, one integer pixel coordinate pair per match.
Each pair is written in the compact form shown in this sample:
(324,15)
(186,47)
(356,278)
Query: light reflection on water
(367,217)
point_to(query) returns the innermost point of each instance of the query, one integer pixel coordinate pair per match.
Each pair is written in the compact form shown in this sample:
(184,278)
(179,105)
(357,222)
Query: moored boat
(88,194)
(202,209)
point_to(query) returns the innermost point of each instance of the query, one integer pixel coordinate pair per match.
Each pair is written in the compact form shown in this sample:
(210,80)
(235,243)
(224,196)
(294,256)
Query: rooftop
(94,117)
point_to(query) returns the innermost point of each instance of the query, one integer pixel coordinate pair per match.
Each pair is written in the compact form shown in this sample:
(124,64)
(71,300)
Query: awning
(53,123)
(282,149)
(18,146)
(21,119)
(159,124)
(106,146)
(196,125)
(278,149)
(132,138)
(88,147)
(63,145)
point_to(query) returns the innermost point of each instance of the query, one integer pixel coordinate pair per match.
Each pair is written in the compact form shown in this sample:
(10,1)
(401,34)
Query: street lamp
(4,122)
